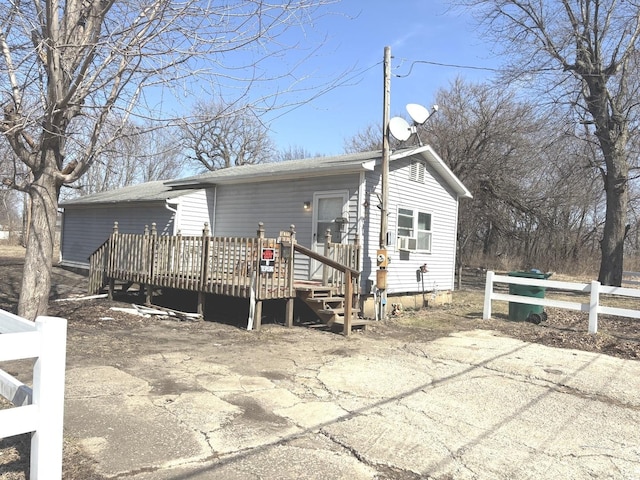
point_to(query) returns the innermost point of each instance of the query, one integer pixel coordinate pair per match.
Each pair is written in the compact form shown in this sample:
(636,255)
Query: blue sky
(423,30)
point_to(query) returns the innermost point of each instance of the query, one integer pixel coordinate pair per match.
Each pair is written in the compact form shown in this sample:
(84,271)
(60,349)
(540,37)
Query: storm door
(329,213)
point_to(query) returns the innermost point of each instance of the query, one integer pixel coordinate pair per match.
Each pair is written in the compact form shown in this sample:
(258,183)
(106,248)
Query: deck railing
(345,254)
(230,266)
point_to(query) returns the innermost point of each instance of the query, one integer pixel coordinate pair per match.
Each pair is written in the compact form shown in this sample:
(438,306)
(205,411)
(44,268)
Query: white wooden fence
(593,307)
(38,409)
(631,278)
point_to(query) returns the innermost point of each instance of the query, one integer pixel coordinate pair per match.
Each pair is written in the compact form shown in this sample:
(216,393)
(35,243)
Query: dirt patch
(98,335)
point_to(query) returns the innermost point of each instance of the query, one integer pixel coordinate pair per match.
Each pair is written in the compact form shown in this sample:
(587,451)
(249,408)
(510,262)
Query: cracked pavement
(216,402)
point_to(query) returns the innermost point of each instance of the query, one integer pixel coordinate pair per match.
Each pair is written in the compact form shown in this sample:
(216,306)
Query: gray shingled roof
(156,191)
(307,167)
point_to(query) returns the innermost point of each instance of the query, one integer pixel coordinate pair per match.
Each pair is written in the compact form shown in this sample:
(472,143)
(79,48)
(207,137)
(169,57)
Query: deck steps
(328,307)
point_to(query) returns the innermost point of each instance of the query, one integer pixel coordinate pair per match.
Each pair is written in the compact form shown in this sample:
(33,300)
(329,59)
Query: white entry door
(329,208)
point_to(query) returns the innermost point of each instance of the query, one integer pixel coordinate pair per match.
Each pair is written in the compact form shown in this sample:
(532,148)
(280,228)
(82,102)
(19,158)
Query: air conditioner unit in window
(407,243)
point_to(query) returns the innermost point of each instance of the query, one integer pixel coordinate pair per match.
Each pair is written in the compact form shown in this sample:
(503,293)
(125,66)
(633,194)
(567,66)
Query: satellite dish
(399,128)
(418,113)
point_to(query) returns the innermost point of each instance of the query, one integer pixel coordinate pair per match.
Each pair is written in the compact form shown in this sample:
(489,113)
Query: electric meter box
(382,258)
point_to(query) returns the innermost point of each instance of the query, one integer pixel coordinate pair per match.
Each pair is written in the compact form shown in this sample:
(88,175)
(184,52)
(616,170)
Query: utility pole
(386,107)
(382,256)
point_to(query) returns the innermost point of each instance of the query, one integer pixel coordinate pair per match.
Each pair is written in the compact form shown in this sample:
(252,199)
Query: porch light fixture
(306,206)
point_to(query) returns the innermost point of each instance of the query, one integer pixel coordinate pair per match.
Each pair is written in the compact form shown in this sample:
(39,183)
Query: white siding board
(433,197)
(194,210)
(85,229)
(239,209)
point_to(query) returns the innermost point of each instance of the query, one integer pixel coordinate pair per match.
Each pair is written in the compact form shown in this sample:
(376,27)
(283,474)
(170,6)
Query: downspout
(455,245)
(62,220)
(360,224)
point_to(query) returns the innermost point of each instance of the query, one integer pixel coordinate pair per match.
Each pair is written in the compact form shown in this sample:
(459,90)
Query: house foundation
(407,301)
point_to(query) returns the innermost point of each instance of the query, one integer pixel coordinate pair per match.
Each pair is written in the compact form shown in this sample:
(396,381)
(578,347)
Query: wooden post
(149,294)
(146,286)
(348,299)
(257,323)
(151,256)
(204,270)
(257,305)
(111,258)
(356,266)
(327,248)
(290,279)
(289,312)
(201,303)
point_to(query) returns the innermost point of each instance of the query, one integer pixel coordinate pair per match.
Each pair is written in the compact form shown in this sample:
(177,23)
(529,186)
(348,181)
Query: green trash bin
(524,311)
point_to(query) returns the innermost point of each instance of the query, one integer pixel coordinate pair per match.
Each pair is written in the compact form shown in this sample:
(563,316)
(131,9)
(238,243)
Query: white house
(340,193)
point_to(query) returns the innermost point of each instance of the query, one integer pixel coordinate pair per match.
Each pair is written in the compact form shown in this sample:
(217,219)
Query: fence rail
(631,278)
(220,265)
(38,409)
(346,254)
(592,307)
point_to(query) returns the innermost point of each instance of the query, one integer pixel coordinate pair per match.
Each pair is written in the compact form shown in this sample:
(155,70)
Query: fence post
(113,247)
(48,396)
(488,292)
(257,302)
(290,278)
(327,253)
(152,252)
(348,302)
(594,303)
(204,268)
(292,255)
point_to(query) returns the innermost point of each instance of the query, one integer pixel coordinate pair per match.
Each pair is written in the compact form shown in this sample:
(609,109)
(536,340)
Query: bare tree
(294,153)
(586,52)
(366,140)
(143,153)
(217,135)
(486,137)
(70,67)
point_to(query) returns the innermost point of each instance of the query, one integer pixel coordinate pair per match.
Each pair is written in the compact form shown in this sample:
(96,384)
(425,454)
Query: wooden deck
(255,268)
(231,266)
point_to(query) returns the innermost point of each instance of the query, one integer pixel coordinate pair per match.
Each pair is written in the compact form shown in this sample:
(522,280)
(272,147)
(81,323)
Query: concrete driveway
(220,403)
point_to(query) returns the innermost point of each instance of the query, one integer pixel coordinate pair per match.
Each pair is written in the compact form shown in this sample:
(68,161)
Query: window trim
(414,228)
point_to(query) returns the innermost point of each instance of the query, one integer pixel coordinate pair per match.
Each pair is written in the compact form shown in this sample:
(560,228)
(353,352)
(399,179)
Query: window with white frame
(414,230)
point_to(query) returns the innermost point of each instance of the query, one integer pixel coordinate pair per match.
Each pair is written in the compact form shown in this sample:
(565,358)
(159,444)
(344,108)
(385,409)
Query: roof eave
(274,176)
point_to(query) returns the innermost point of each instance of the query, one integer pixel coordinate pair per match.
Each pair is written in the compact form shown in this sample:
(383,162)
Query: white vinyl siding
(85,228)
(278,205)
(195,209)
(432,197)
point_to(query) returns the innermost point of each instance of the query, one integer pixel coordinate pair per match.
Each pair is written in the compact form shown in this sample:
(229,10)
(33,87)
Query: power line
(439,64)
(329,88)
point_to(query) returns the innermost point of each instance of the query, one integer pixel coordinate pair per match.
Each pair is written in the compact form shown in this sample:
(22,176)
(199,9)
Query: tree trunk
(36,279)
(615,225)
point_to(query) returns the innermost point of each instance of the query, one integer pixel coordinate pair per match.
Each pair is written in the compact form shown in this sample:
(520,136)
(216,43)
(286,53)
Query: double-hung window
(414,230)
